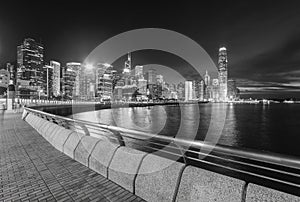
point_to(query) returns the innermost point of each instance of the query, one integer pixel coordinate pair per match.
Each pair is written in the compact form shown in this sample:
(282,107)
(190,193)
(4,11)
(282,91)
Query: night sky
(262,37)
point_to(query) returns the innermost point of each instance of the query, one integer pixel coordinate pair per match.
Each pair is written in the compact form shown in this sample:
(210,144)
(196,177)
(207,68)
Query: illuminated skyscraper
(12,72)
(159,79)
(207,87)
(222,73)
(4,78)
(215,90)
(151,76)
(207,79)
(233,91)
(138,71)
(188,89)
(55,78)
(30,59)
(104,80)
(127,66)
(142,86)
(201,90)
(48,81)
(180,91)
(71,79)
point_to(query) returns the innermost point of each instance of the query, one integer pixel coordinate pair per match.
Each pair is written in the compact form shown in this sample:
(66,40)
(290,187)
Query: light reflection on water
(273,127)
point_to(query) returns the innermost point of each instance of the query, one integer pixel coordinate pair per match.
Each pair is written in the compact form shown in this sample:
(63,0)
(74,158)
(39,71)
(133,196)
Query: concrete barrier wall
(151,177)
(60,138)
(158,178)
(124,167)
(41,124)
(259,193)
(71,144)
(102,155)
(85,148)
(201,185)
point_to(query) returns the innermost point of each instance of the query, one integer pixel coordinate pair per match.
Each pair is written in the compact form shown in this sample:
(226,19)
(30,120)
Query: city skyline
(33,77)
(263,53)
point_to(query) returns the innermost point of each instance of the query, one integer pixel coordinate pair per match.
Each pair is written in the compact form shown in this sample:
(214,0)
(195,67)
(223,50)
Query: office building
(215,90)
(151,76)
(188,90)
(30,62)
(180,91)
(48,81)
(201,90)
(233,91)
(71,79)
(12,69)
(127,66)
(104,81)
(55,78)
(154,91)
(222,73)
(159,79)
(206,79)
(4,78)
(142,86)
(138,70)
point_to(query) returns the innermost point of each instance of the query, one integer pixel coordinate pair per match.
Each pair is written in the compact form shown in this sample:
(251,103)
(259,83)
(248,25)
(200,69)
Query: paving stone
(31,169)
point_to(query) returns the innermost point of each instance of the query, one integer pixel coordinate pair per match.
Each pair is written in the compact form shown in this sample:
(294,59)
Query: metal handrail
(272,158)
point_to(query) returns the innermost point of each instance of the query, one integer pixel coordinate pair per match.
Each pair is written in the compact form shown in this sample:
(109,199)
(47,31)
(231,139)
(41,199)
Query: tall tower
(151,76)
(138,71)
(55,77)
(127,67)
(222,73)
(71,79)
(207,79)
(30,57)
(188,89)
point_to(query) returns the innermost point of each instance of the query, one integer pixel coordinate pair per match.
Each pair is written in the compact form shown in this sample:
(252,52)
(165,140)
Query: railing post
(25,114)
(85,130)
(119,137)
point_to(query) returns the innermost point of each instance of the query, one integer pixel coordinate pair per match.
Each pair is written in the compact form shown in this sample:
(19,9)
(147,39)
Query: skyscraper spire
(127,68)
(129,56)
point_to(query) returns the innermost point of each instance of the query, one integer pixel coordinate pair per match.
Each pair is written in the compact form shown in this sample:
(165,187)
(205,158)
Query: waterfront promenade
(31,169)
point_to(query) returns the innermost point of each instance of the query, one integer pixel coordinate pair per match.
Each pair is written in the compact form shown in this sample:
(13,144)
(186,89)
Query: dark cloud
(275,70)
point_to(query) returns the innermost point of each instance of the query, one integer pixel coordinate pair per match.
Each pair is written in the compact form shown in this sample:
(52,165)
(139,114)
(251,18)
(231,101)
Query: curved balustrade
(277,171)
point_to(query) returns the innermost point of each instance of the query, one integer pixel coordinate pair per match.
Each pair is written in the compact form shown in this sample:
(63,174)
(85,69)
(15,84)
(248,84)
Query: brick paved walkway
(32,170)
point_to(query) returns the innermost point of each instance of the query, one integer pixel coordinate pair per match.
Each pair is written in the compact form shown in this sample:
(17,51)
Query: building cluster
(220,89)
(33,77)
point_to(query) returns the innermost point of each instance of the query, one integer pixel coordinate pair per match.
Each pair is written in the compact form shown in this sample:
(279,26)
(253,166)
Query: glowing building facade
(104,81)
(30,62)
(71,79)
(151,76)
(138,71)
(55,77)
(222,74)
(188,90)
(4,78)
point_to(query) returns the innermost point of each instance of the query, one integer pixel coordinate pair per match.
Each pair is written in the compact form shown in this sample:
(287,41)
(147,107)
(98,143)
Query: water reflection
(230,132)
(271,127)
